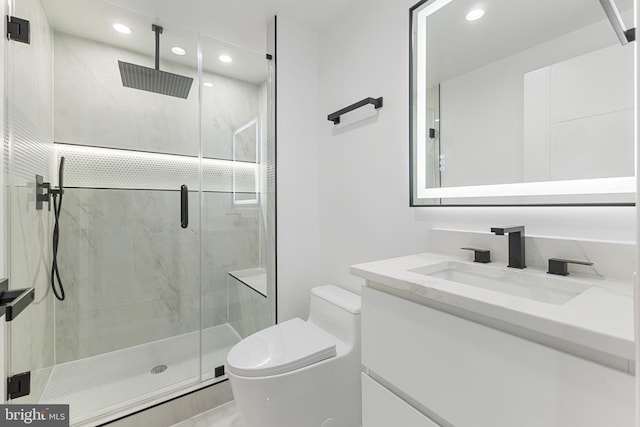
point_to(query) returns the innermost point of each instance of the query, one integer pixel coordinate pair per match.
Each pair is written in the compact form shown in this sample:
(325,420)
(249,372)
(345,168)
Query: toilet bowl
(302,373)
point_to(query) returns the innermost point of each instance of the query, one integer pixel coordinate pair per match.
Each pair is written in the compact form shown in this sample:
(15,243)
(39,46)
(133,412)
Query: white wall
(637,234)
(590,83)
(297,167)
(364,168)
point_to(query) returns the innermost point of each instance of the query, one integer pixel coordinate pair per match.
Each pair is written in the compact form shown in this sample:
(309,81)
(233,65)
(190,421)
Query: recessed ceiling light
(475,14)
(178,50)
(121,28)
(208,84)
(225,58)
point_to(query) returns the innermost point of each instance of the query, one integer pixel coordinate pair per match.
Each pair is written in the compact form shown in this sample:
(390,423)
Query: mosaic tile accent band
(95,167)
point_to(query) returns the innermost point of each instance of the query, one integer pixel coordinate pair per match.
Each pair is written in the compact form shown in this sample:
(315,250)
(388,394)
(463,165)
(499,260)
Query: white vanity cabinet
(385,409)
(420,361)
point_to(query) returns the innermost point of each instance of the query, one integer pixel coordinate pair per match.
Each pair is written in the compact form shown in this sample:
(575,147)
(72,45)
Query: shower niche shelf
(15,301)
(254,278)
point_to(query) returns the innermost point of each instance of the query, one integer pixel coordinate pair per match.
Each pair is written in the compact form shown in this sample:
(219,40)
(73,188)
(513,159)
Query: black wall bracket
(18,29)
(335,117)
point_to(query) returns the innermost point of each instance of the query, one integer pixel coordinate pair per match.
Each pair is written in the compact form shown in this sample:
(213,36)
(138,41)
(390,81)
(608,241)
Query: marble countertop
(599,318)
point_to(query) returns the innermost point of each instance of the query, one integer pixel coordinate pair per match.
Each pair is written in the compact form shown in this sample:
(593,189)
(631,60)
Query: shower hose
(58,290)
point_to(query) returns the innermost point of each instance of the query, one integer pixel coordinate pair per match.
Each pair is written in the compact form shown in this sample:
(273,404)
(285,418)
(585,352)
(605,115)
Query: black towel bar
(335,117)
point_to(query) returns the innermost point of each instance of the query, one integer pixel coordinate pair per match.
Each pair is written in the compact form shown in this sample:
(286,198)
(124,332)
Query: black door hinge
(18,29)
(18,385)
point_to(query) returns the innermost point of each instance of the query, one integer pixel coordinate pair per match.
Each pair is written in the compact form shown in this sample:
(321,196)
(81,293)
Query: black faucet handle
(480,255)
(508,229)
(559,266)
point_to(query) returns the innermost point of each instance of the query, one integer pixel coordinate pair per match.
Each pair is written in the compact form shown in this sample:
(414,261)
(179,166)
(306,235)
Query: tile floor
(223,416)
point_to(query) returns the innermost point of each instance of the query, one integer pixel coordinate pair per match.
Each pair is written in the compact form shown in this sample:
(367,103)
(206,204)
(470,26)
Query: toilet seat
(281,348)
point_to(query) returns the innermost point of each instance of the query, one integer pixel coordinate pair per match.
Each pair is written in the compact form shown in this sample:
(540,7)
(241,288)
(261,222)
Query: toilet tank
(337,311)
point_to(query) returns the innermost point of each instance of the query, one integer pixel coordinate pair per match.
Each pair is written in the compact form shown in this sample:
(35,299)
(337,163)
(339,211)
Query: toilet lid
(281,348)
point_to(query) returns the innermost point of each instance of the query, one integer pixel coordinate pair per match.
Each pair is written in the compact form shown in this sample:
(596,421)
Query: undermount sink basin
(519,283)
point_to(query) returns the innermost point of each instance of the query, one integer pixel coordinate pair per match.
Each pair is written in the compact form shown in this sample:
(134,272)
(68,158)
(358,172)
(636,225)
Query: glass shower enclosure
(166,244)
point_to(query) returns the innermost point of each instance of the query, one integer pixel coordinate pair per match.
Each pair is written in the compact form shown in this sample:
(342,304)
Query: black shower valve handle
(43,193)
(47,195)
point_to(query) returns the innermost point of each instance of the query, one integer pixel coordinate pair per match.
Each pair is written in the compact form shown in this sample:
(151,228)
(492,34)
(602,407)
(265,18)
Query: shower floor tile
(110,382)
(226,415)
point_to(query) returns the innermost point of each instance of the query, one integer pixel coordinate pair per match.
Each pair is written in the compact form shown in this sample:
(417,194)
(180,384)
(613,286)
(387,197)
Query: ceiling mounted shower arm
(158,30)
(624,35)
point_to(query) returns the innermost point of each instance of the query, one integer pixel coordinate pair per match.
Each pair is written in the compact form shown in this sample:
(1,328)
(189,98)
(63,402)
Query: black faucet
(516,244)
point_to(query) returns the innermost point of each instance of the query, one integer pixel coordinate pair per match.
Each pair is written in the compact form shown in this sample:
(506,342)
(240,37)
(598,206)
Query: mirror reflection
(509,93)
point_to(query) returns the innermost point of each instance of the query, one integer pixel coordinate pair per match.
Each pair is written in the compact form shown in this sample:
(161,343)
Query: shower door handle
(184,206)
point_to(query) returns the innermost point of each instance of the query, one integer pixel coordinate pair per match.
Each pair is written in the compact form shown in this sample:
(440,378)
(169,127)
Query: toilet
(302,373)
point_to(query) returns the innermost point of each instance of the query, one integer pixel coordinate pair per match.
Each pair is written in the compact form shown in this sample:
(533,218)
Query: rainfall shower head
(152,79)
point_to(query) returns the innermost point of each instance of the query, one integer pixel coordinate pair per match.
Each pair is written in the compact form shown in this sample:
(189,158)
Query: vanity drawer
(381,408)
(471,375)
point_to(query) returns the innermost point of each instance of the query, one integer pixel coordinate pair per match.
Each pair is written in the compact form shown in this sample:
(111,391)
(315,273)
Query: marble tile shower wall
(30,114)
(249,311)
(132,274)
(93,108)
(129,274)
(230,242)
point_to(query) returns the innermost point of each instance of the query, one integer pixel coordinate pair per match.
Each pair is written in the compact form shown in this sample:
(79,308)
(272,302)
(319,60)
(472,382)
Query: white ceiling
(238,27)
(241,22)
(234,27)
(457,46)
